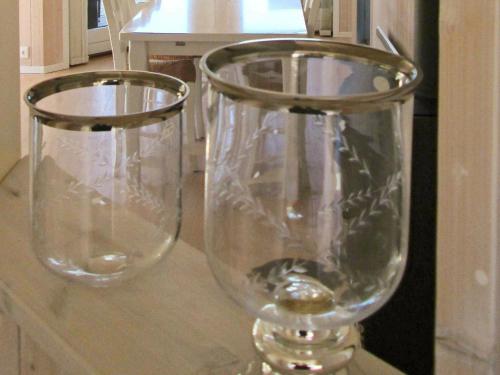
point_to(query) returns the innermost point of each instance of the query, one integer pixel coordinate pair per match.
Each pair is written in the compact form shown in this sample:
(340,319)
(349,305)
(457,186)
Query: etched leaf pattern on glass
(368,204)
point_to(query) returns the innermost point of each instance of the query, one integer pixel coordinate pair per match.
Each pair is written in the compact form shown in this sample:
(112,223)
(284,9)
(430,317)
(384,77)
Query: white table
(194,27)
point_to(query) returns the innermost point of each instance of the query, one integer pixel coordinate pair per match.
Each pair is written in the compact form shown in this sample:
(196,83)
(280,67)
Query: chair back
(118,13)
(311,14)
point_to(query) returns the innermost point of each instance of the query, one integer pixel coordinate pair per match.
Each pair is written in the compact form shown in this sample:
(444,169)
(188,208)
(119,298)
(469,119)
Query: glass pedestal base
(259,367)
(287,351)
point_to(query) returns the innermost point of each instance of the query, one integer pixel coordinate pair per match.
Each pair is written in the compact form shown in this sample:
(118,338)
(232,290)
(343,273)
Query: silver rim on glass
(106,78)
(212,61)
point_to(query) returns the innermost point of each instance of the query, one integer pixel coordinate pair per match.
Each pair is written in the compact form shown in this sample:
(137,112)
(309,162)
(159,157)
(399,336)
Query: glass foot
(259,367)
(289,351)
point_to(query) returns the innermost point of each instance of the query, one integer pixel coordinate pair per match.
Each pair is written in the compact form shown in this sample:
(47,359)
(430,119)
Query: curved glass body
(307,179)
(105,172)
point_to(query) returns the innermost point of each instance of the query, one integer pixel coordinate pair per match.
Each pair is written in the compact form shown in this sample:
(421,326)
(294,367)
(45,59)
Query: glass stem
(292,351)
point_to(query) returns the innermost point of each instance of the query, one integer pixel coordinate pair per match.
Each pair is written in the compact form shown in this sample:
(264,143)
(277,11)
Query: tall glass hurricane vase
(105,172)
(307,191)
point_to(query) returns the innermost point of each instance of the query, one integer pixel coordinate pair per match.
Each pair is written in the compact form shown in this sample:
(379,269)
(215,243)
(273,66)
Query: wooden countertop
(173,319)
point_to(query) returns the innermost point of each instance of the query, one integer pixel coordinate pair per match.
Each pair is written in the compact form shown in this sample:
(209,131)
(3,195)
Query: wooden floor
(104,62)
(192,221)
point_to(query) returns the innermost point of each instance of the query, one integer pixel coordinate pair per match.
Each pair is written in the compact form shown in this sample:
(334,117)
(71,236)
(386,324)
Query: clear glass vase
(105,172)
(307,191)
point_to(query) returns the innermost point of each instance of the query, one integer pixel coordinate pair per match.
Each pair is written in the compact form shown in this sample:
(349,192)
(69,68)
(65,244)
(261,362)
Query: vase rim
(78,122)
(214,60)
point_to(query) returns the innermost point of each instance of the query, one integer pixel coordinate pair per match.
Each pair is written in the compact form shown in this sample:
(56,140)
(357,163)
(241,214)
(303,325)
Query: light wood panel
(9,93)
(468,314)
(397,19)
(173,319)
(9,359)
(78,43)
(25,28)
(345,20)
(53,32)
(28,80)
(44,30)
(9,150)
(33,360)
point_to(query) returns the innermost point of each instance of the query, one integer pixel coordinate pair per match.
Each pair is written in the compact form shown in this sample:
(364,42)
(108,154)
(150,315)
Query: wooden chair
(311,13)
(118,13)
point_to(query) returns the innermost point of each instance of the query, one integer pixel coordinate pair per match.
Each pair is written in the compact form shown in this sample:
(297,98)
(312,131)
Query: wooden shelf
(172,319)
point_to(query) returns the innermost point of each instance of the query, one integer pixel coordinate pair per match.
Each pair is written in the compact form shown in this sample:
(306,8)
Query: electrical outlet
(24,52)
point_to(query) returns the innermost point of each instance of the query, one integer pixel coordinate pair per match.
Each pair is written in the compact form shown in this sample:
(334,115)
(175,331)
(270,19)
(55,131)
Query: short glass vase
(105,172)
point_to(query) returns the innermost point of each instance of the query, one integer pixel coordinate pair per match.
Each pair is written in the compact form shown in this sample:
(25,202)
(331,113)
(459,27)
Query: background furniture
(118,13)
(311,13)
(191,28)
(194,27)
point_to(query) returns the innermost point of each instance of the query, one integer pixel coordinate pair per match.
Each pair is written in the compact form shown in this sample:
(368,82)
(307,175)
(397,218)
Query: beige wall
(78,32)
(42,30)
(346,19)
(53,31)
(468,313)
(25,28)
(9,92)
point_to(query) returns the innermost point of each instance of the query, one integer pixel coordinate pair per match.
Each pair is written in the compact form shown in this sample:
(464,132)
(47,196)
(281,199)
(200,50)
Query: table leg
(192,147)
(198,94)
(292,157)
(138,55)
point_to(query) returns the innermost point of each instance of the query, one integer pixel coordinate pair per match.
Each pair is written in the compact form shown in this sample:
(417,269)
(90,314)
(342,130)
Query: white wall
(9,89)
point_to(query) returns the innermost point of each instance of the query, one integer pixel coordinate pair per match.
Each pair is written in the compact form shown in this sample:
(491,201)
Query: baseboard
(99,47)
(79,60)
(42,69)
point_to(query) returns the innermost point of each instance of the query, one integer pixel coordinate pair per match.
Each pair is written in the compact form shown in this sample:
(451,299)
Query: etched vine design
(374,198)
(369,202)
(276,278)
(76,186)
(72,146)
(147,199)
(239,195)
(382,199)
(139,194)
(150,148)
(344,146)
